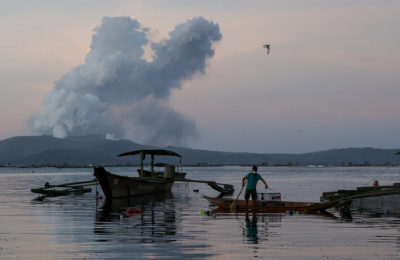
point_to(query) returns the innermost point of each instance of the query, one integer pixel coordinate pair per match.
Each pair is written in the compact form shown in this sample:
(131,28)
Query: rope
(398,162)
(376,176)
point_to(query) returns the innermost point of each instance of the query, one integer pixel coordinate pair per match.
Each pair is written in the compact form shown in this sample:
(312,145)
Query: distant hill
(348,156)
(28,150)
(83,150)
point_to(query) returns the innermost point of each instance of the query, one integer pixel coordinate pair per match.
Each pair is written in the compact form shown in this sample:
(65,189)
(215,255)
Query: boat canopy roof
(151,152)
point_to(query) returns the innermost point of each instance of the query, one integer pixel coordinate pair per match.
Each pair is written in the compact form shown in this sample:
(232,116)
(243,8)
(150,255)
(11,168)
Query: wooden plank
(202,181)
(361,192)
(227,188)
(72,184)
(375,193)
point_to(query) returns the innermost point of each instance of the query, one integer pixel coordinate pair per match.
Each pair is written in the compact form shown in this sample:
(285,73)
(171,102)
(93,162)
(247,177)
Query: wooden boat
(116,186)
(272,206)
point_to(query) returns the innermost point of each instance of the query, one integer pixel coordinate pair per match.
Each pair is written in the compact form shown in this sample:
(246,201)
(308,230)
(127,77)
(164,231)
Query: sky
(195,73)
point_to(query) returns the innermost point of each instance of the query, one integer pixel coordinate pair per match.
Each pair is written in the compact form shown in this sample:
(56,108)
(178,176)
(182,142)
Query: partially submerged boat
(117,186)
(65,189)
(271,206)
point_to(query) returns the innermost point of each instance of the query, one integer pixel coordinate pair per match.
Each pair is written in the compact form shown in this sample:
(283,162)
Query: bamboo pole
(89,183)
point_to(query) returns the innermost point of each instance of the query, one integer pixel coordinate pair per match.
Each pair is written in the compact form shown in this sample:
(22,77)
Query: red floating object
(133,211)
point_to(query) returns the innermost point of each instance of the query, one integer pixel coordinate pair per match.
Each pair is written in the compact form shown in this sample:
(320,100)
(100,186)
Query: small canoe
(272,206)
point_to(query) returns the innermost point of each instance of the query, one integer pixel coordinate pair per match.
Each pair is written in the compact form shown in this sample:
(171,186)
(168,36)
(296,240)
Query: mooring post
(141,163)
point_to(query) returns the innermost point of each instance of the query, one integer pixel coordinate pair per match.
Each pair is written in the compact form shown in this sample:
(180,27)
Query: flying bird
(268,47)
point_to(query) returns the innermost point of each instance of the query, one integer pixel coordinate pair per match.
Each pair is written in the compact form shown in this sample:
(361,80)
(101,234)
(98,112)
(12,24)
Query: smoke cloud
(117,92)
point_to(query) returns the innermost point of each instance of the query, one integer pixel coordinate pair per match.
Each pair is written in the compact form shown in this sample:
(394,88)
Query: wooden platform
(360,192)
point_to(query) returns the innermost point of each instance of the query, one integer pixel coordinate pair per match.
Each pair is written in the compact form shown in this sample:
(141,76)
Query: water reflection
(251,230)
(151,218)
(254,224)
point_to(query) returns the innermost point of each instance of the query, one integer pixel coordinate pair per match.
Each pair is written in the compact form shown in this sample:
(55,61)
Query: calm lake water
(171,226)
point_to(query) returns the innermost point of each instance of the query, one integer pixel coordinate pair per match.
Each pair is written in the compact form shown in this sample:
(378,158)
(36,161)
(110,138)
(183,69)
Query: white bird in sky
(268,47)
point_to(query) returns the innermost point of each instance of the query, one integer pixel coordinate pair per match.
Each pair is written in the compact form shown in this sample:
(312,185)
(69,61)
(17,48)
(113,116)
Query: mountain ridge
(85,150)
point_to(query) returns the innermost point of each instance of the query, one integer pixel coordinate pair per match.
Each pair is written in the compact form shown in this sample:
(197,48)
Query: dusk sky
(195,73)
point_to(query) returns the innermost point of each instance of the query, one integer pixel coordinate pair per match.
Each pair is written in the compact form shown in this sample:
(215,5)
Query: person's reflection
(251,228)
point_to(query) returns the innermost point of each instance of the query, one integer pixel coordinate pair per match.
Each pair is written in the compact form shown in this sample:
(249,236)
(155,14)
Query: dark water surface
(171,226)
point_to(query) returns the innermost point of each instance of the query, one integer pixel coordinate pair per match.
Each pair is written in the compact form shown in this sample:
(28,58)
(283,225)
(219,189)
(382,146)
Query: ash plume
(116,92)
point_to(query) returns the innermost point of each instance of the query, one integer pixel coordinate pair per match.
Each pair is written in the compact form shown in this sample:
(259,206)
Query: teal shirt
(252,180)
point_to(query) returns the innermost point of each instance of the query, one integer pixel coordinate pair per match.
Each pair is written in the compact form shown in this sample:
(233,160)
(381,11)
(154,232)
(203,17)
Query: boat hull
(116,186)
(273,207)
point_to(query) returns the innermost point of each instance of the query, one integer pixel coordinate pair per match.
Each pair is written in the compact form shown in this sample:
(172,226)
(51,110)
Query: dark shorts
(253,194)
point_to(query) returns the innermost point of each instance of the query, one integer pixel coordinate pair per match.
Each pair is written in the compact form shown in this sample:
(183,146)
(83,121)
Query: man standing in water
(252,179)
